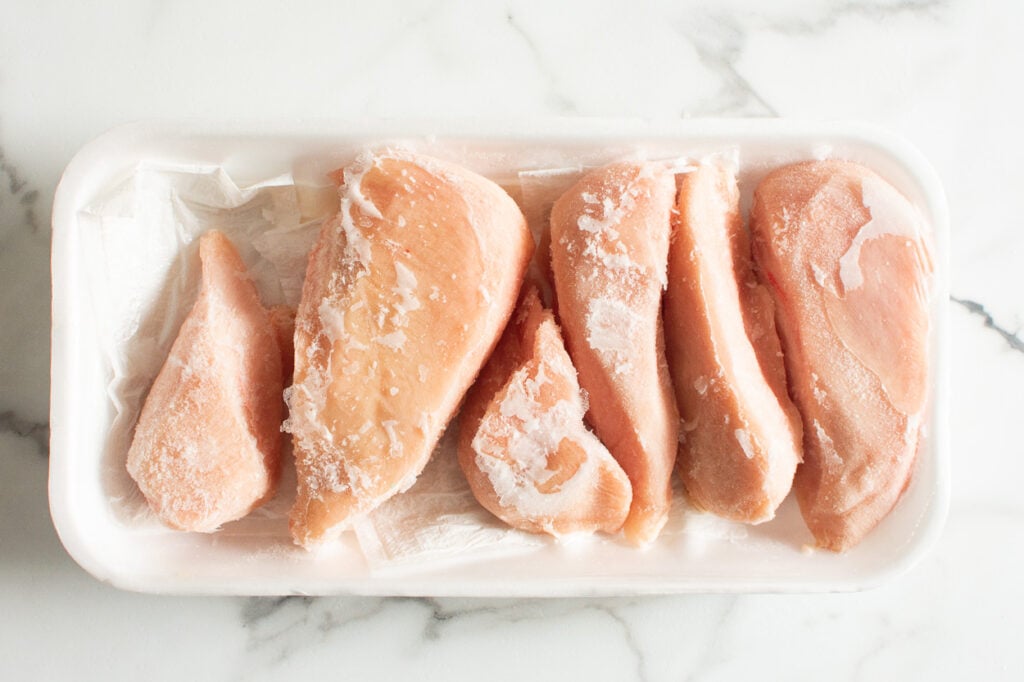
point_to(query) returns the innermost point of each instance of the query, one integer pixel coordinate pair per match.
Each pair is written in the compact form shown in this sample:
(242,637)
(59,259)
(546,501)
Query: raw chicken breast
(406,294)
(207,445)
(523,446)
(741,433)
(845,256)
(609,253)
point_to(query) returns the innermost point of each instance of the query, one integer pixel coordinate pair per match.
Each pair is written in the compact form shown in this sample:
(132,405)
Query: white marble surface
(944,74)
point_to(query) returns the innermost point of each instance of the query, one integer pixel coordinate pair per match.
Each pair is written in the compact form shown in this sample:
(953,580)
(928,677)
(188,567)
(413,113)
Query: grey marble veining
(825,16)
(1012,339)
(18,202)
(554,98)
(37,432)
(281,628)
(718,40)
(24,305)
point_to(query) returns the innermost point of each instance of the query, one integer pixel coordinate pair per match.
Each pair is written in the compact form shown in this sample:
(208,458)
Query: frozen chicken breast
(406,293)
(741,436)
(845,256)
(609,254)
(523,446)
(207,444)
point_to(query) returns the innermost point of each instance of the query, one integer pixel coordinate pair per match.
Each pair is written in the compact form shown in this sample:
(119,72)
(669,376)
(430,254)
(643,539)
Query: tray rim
(94,166)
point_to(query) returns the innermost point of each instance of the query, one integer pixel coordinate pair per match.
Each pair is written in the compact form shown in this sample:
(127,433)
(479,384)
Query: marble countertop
(943,74)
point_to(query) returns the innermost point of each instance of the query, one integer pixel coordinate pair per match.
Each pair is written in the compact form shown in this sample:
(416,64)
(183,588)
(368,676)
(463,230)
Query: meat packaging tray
(255,556)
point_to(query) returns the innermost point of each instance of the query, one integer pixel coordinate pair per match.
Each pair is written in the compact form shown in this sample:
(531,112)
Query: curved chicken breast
(406,293)
(523,446)
(741,435)
(846,259)
(207,445)
(609,253)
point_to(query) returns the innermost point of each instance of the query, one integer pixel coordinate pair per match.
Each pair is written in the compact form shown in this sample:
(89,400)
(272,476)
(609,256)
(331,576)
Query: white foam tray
(174,562)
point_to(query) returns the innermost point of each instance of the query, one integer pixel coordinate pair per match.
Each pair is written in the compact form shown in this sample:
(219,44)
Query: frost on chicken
(530,458)
(609,248)
(612,330)
(890,215)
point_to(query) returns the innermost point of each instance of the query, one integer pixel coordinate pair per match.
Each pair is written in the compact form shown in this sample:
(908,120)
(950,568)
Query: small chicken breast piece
(523,446)
(609,253)
(207,444)
(845,256)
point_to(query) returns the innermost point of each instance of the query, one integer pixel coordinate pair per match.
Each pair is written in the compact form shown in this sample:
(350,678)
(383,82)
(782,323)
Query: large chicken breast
(846,258)
(406,293)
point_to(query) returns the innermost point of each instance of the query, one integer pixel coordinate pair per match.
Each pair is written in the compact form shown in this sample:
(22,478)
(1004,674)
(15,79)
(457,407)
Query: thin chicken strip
(741,433)
(609,253)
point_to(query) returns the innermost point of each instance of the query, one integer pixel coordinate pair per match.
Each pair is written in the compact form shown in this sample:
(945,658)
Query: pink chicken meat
(406,293)
(207,445)
(523,446)
(846,258)
(740,442)
(609,254)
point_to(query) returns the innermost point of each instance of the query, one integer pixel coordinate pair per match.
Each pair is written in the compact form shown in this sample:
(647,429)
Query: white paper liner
(437,521)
